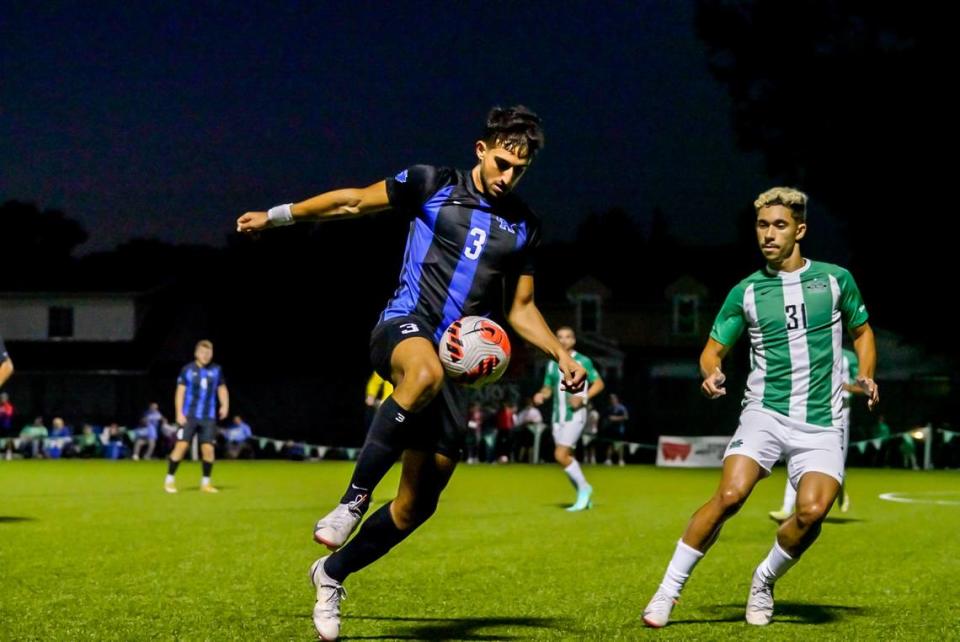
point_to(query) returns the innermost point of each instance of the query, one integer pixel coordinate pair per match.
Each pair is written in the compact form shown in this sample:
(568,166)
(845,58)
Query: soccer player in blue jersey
(471,240)
(199,387)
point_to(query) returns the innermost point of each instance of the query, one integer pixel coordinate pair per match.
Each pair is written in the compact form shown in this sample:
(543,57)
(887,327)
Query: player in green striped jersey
(794,311)
(569,415)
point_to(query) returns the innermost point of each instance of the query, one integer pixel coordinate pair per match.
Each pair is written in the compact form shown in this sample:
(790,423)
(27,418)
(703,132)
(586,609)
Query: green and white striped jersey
(562,412)
(795,321)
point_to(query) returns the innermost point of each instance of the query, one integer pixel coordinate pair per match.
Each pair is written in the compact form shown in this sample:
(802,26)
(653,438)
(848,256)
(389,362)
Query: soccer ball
(474,351)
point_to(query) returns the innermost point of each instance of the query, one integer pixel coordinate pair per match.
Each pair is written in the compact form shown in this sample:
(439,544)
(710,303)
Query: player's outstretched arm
(338,204)
(865,345)
(525,318)
(713,378)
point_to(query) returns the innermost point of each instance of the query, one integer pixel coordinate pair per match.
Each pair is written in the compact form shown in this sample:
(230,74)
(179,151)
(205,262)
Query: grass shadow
(784,613)
(467,628)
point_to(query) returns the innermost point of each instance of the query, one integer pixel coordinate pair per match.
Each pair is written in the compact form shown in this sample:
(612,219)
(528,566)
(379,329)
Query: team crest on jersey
(504,225)
(401,177)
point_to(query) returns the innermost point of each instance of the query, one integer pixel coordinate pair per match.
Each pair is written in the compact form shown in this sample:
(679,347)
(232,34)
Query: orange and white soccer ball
(475,351)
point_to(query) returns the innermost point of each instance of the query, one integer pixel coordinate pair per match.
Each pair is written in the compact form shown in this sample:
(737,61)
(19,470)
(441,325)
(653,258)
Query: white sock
(681,565)
(776,564)
(168,480)
(576,475)
(204,481)
(789,497)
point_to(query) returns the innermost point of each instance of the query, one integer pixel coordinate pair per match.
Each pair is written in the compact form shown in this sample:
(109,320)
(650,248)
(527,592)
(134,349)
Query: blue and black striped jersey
(200,398)
(461,246)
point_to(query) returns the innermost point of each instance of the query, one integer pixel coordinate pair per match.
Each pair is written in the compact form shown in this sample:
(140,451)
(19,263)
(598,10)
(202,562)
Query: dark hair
(516,129)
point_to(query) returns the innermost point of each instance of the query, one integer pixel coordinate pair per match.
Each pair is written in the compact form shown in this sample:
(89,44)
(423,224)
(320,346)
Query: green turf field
(96,550)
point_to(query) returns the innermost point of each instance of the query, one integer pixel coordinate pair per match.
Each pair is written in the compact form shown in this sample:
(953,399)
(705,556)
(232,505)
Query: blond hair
(792,199)
(204,343)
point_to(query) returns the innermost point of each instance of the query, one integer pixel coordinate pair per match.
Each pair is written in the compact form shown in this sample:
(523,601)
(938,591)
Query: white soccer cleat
(845,504)
(760,602)
(170,487)
(334,530)
(657,613)
(326,612)
(780,516)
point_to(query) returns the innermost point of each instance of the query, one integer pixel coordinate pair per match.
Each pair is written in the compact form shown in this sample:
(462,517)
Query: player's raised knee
(411,513)
(811,512)
(426,379)
(731,498)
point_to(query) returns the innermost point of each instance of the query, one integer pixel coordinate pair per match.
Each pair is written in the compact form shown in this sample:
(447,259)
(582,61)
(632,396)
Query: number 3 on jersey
(475,242)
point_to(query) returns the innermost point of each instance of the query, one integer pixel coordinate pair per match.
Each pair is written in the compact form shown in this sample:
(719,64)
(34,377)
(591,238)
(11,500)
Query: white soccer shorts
(765,436)
(567,433)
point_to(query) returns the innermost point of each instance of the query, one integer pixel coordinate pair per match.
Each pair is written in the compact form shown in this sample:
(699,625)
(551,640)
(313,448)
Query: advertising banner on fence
(691,452)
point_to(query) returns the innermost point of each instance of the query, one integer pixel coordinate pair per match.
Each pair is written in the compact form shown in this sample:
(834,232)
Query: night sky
(169,121)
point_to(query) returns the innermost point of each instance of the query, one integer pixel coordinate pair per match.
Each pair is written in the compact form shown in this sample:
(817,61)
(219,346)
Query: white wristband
(280,215)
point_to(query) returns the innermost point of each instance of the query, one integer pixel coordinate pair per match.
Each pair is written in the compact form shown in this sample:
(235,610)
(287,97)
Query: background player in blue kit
(199,387)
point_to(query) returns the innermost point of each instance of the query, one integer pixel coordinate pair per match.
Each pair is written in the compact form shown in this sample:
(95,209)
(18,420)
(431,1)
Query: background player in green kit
(570,414)
(794,311)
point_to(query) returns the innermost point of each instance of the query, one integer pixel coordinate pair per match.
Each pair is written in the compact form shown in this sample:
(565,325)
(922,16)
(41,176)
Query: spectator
(60,429)
(86,443)
(31,438)
(506,420)
(616,428)
(112,440)
(239,438)
(6,424)
(909,452)
(529,423)
(474,432)
(154,417)
(881,432)
(146,435)
(60,434)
